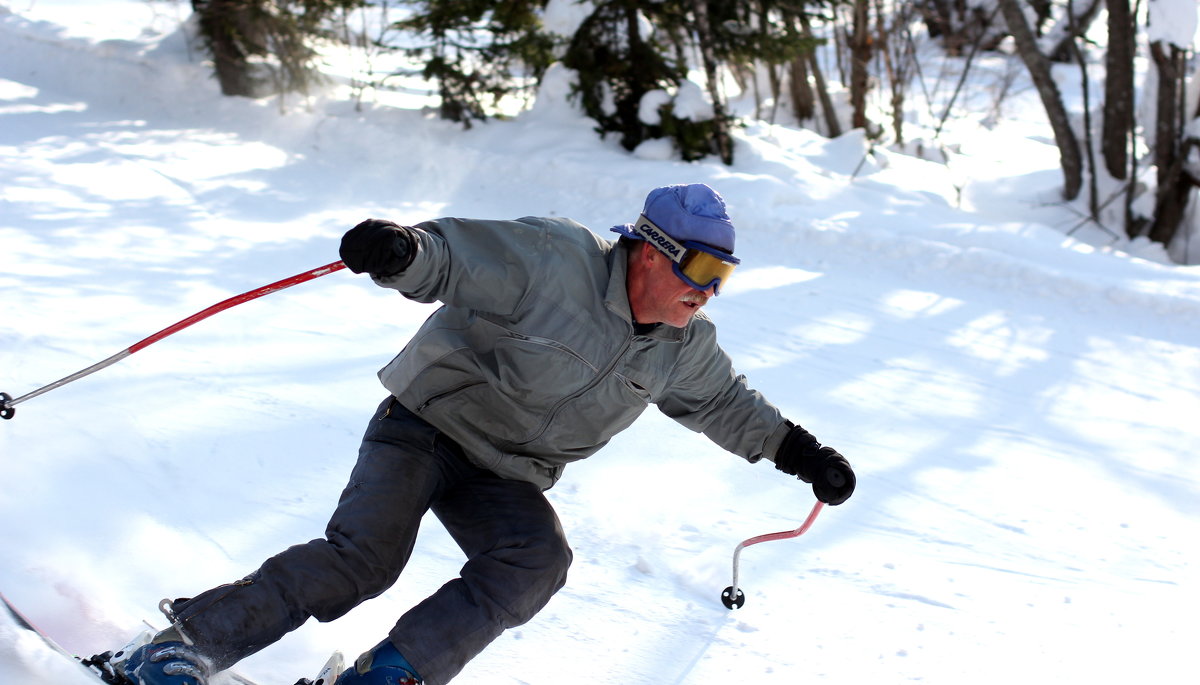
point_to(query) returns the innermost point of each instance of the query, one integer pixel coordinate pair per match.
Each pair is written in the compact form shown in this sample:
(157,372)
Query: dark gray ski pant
(517,556)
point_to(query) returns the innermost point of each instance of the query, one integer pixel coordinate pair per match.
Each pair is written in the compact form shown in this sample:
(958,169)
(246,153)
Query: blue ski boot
(165,660)
(383,665)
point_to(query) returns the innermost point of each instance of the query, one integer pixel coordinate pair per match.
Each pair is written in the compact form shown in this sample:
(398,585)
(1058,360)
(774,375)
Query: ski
(26,624)
(101,666)
(328,673)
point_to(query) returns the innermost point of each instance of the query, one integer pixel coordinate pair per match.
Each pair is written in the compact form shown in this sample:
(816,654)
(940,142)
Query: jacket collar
(616,298)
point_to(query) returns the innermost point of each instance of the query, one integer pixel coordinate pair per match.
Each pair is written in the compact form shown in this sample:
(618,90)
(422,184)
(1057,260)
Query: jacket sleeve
(484,265)
(706,395)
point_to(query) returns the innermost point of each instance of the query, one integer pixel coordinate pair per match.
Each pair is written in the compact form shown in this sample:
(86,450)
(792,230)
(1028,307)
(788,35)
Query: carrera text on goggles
(700,266)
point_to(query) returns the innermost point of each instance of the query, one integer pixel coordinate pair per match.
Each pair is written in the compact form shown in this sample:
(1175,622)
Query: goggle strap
(657,237)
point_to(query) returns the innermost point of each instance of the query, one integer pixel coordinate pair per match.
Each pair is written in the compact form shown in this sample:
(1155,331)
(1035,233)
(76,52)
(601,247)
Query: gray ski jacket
(532,362)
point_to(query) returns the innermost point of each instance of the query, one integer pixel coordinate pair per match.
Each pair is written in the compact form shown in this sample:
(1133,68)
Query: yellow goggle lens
(703,269)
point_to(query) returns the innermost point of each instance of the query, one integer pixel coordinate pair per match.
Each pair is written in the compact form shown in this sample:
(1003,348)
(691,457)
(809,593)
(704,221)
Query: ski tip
(330,671)
(16,614)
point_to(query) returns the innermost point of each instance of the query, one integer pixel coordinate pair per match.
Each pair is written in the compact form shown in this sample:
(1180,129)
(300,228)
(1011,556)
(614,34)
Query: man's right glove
(378,247)
(802,456)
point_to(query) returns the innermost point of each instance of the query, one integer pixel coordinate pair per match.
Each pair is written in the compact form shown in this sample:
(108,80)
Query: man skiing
(551,340)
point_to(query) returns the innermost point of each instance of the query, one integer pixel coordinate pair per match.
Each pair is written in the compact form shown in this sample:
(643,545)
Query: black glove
(802,456)
(378,247)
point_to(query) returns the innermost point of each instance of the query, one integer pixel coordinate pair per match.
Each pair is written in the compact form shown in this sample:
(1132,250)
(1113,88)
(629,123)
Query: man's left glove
(802,456)
(378,247)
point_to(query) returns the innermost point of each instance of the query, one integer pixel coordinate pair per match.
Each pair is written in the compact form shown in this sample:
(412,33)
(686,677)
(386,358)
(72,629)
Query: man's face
(656,294)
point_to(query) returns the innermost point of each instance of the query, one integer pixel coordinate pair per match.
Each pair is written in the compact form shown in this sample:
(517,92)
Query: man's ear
(648,253)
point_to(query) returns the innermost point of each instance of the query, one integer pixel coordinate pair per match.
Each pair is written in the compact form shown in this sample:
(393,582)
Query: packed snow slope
(1020,405)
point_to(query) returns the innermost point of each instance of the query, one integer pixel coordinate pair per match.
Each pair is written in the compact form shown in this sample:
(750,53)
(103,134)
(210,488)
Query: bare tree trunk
(860,57)
(775,76)
(894,43)
(1118,89)
(774,71)
(804,103)
(1039,71)
(720,124)
(827,109)
(1088,144)
(1170,154)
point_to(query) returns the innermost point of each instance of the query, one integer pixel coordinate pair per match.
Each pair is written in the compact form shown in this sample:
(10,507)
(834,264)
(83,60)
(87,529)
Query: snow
(691,102)
(648,106)
(563,17)
(1019,403)
(1173,21)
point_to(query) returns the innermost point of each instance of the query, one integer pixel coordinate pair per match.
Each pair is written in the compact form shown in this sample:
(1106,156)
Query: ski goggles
(700,266)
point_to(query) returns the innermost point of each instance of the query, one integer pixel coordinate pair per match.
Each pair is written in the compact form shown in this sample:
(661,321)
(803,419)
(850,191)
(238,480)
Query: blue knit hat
(687,212)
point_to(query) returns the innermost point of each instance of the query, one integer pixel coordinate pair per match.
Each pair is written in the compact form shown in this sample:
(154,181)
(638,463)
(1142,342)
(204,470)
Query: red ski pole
(732,597)
(7,403)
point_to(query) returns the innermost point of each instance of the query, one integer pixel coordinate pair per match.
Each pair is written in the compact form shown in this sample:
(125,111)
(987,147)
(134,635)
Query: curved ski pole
(7,402)
(732,597)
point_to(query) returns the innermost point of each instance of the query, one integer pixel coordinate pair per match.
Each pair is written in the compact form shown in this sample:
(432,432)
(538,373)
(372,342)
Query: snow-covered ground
(1020,405)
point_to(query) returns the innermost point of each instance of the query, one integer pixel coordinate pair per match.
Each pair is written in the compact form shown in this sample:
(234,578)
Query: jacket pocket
(636,389)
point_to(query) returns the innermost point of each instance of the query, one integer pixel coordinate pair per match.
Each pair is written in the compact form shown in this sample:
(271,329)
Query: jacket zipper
(447,393)
(554,344)
(608,369)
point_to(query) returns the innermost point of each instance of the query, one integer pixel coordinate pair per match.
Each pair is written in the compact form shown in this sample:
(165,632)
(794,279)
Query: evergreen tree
(479,51)
(619,59)
(265,46)
(628,49)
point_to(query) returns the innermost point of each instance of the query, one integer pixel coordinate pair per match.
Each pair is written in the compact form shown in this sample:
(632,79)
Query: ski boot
(166,660)
(382,665)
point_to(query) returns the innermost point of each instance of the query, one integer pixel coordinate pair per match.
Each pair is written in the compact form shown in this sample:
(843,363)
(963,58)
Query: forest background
(671,77)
